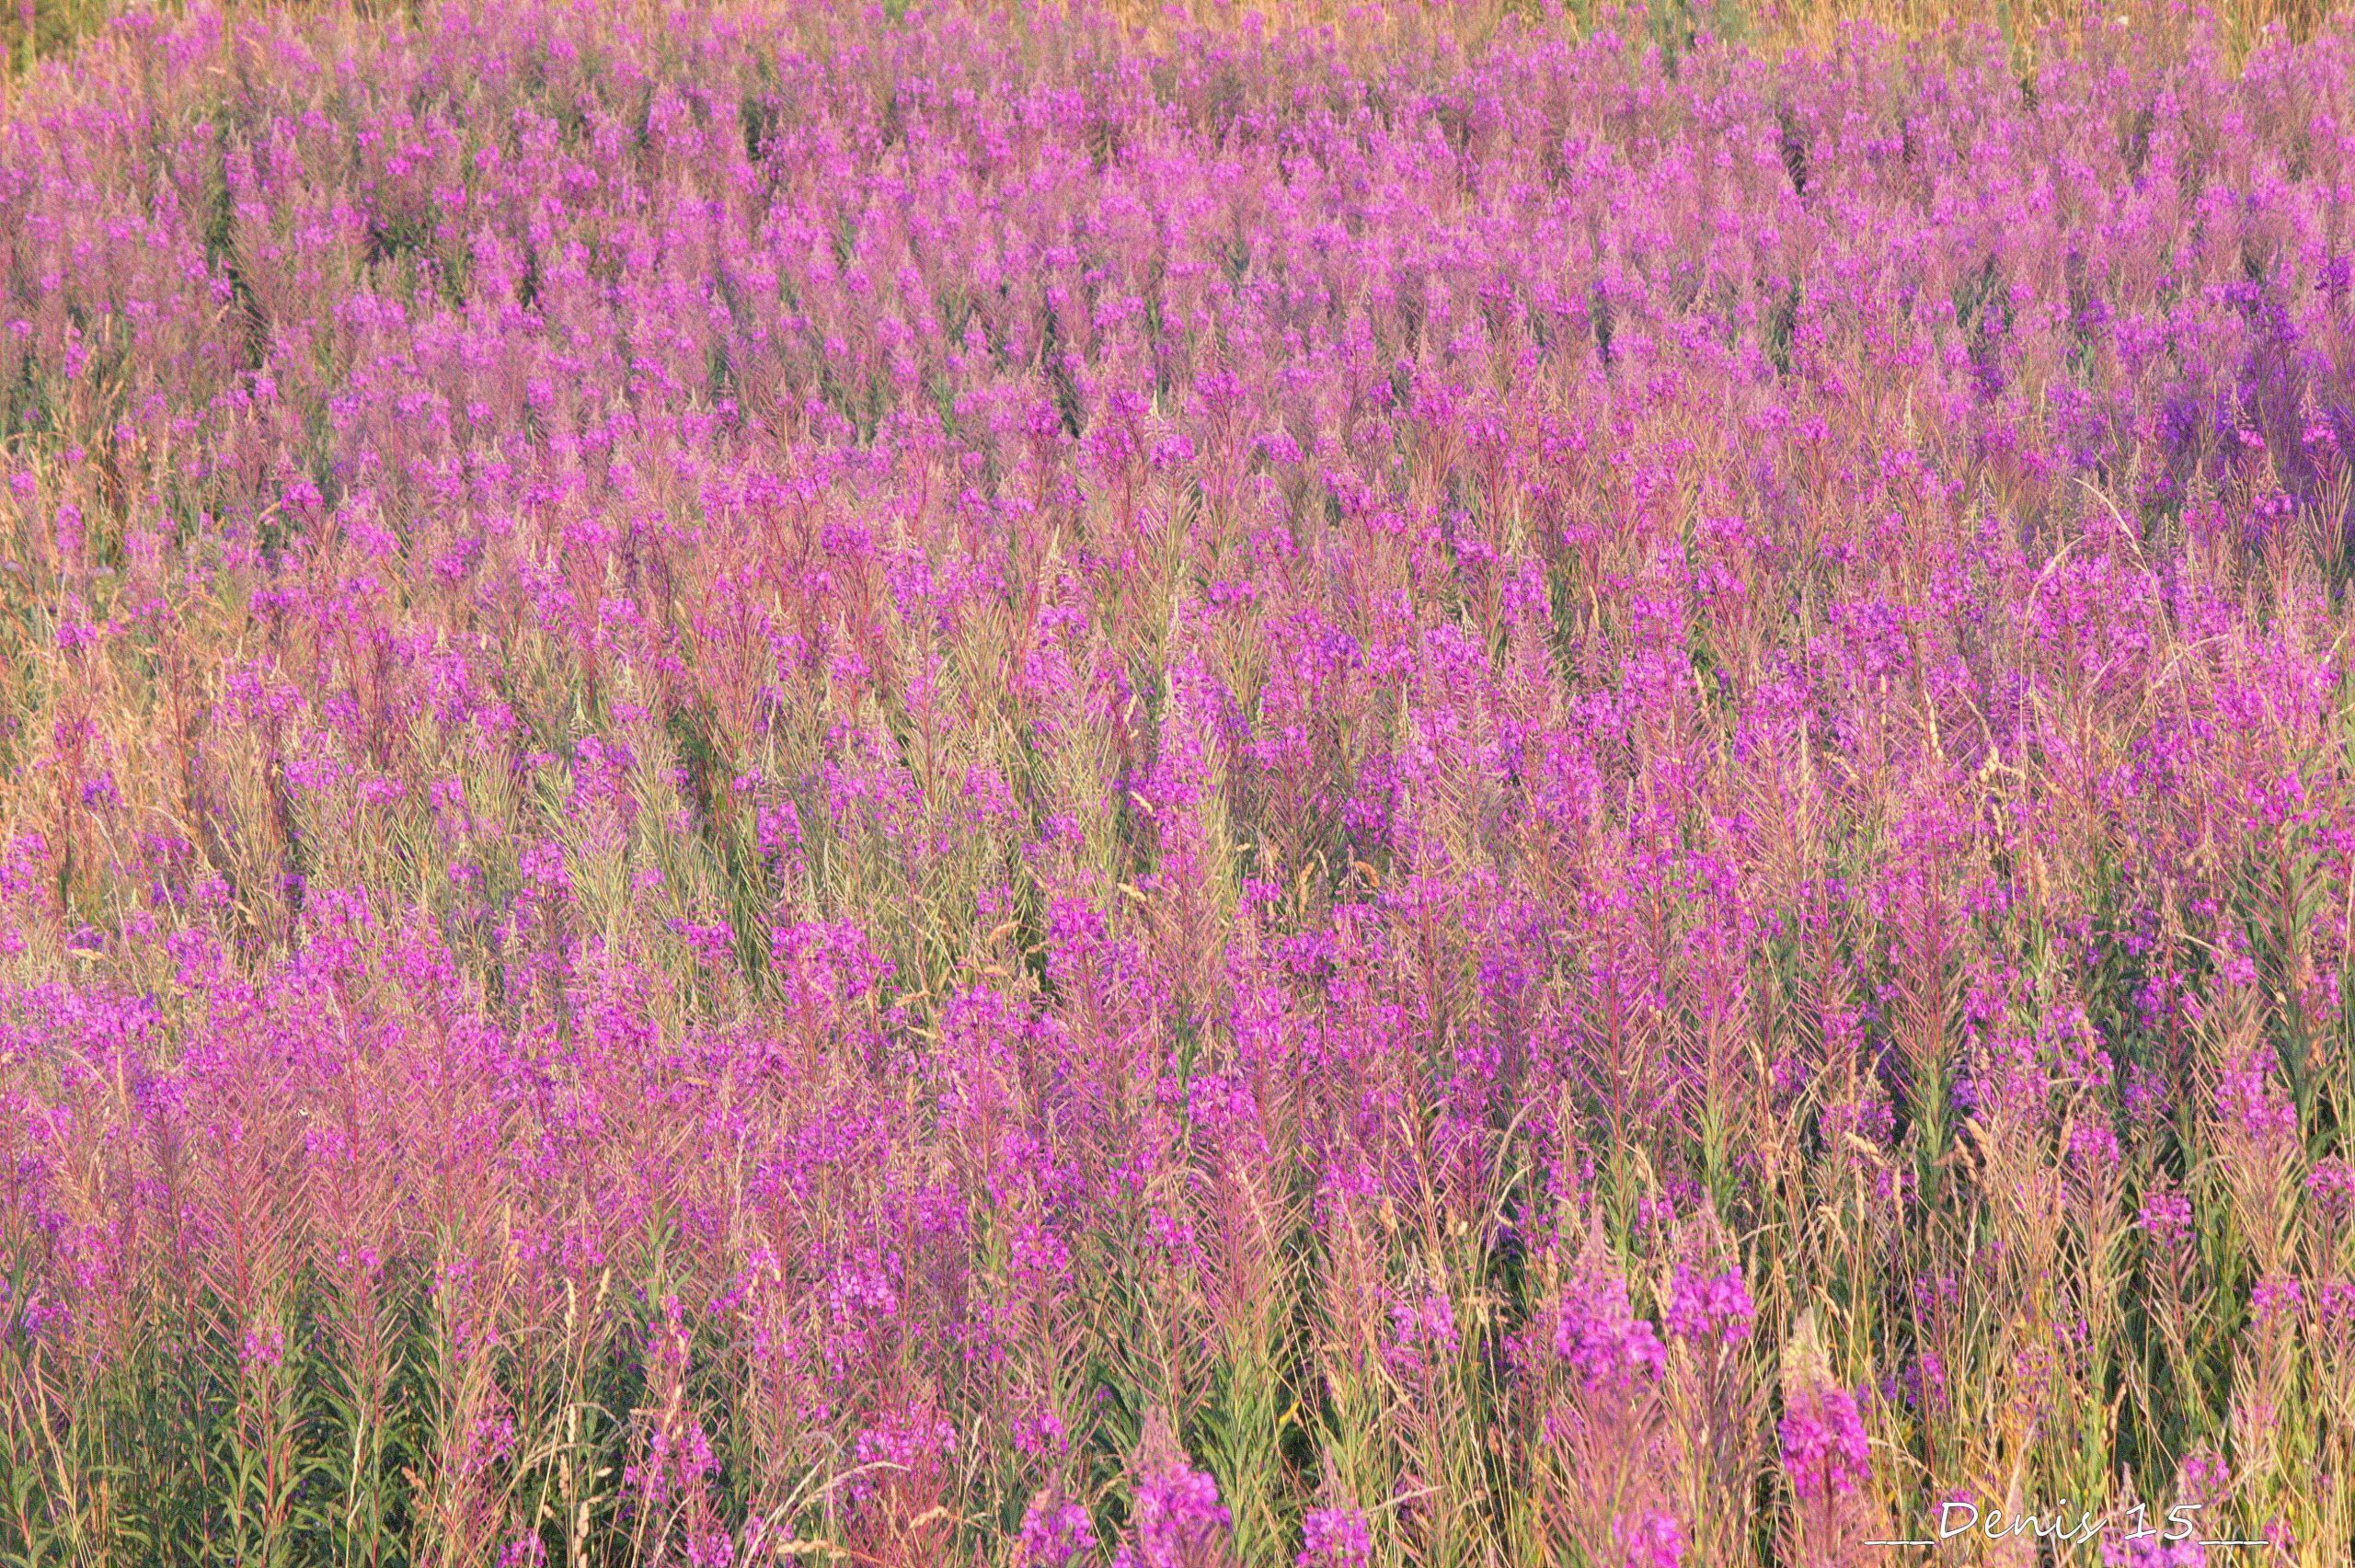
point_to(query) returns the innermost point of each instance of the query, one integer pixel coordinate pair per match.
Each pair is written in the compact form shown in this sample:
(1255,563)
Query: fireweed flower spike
(1177,1519)
(1826,1456)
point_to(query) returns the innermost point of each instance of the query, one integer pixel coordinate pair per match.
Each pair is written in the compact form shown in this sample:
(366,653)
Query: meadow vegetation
(912,785)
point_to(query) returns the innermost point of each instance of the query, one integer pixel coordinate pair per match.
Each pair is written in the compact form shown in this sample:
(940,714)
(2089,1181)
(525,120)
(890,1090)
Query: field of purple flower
(914,786)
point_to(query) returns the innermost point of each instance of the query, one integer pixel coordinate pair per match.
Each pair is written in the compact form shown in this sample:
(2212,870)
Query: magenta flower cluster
(1826,1451)
(1713,1309)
